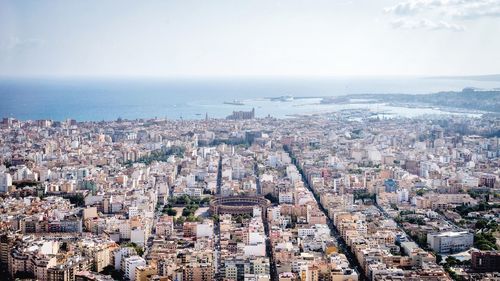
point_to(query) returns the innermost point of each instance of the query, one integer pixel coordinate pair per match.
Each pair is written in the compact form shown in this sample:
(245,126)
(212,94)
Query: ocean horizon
(96,99)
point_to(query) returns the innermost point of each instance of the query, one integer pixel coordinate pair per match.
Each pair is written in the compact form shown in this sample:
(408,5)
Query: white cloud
(411,7)
(441,14)
(476,9)
(457,8)
(16,43)
(426,24)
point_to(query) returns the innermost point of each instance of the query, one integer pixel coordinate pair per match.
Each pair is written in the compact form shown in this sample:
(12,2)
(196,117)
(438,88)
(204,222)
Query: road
(219,176)
(334,231)
(217,254)
(257,181)
(269,249)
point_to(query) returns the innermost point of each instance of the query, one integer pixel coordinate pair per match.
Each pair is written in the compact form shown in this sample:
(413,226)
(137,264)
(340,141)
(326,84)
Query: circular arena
(237,205)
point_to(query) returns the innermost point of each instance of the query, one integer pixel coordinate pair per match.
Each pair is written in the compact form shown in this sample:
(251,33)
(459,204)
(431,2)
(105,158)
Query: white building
(451,241)
(191,180)
(138,236)
(5,182)
(274,213)
(120,254)
(317,231)
(285,196)
(193,191)
(304,232)
(131,263)
(24,173)
(205,229)
(124,228)
(133,211)
(258,250)
(403,195)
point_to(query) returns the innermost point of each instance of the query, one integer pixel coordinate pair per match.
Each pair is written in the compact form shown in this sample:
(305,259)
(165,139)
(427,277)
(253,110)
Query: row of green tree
(485,241)
(453,262)
(464,210)
(410,219)
(184,200)
(160,155)
(190,204)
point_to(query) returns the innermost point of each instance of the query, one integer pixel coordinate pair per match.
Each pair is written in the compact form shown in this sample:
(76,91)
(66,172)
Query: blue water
(109,99)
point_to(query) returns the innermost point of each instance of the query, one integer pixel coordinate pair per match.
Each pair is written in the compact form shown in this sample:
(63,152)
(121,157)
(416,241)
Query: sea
(97,99)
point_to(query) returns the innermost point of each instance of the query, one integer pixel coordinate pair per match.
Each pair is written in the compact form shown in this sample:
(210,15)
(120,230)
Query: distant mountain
(490,77)
(468,98)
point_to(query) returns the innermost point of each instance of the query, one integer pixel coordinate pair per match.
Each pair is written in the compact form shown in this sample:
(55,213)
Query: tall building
(92,276)
(403,195)
(236,269)
(5,182)
(68,270)
(487,180)
(450,242)
(488,261)
(144,273)
(198,272)
(242,115)
(131,263)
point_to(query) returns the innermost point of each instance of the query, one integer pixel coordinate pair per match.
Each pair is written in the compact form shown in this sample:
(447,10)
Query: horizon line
(249,76)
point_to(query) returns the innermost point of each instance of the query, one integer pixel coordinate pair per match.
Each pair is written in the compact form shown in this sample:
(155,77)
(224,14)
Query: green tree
(138,249)
(481,223)
(180,220)
(452,261)
(485,241)
(271,198)
(77,199)
(110,270)
(420,192)
(171,212)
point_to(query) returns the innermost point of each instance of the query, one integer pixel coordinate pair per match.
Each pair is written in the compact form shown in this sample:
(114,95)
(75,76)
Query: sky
(249,38)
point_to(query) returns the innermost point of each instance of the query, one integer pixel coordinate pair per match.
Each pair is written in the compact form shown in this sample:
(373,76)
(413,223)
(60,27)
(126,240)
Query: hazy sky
(249,37)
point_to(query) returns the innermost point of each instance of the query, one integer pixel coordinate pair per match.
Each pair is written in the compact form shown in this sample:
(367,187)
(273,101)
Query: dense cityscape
(341,196)
(250,140)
